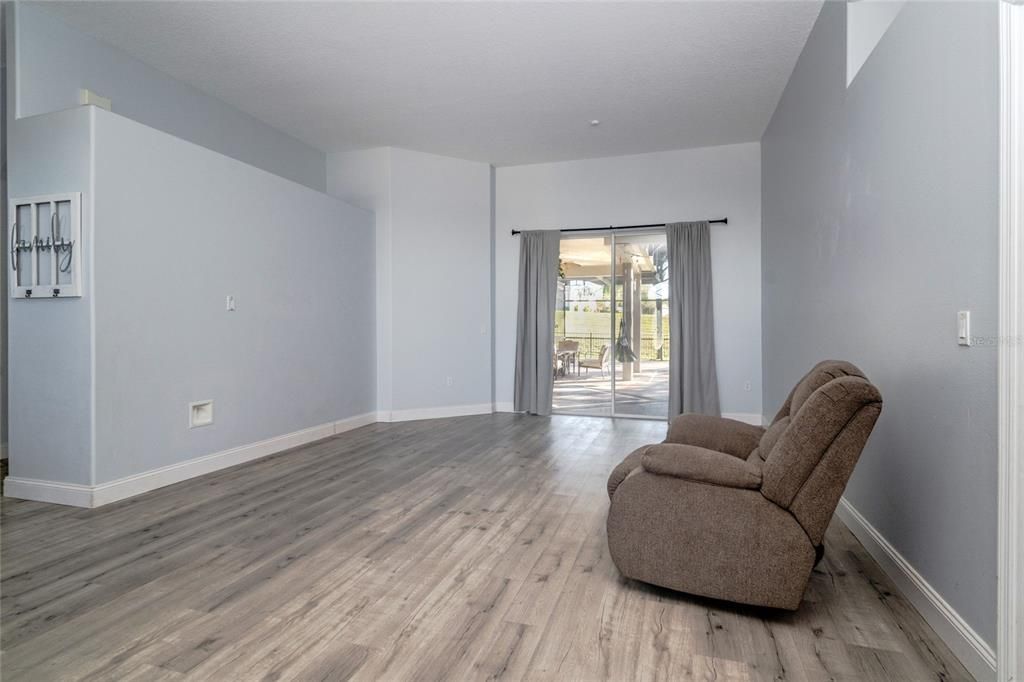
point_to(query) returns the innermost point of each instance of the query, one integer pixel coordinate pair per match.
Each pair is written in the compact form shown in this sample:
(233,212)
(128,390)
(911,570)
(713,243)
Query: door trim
(612,234)
(1010,567)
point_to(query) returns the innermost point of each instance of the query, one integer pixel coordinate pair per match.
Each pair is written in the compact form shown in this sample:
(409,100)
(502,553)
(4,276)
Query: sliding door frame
(590,235)
(613,318)
(611,334)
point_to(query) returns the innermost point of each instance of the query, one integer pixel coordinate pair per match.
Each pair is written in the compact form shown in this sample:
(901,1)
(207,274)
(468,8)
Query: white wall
(433,227)
(866,23)
(689,184)
(52,60)
(102,382)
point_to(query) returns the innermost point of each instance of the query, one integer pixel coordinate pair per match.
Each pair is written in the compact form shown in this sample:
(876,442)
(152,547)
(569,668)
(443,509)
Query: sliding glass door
(611,326)
(640,377)
(583,323)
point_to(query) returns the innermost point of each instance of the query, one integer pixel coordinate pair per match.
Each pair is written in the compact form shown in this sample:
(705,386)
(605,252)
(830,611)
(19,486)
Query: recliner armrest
(702,465)
(732,437)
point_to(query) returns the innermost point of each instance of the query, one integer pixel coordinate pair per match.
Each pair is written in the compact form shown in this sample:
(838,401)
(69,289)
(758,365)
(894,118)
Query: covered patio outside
(644,394)
(599,291)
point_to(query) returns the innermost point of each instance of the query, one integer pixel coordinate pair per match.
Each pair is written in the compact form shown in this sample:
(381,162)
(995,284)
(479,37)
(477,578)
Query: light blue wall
(441,271)
(102,382)
(50,341)
(880,223)
(173,239)
(54,60)
(433,224)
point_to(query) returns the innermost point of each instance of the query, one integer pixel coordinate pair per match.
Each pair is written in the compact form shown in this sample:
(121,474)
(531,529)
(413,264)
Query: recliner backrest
(814,442)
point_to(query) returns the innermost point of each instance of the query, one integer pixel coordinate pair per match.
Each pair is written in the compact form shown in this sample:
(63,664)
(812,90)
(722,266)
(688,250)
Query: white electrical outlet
(200,413)
(746,385)
(449,381)
(229,303)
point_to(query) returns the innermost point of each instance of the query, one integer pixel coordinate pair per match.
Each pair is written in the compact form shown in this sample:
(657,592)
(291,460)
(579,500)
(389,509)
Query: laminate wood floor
(466,548)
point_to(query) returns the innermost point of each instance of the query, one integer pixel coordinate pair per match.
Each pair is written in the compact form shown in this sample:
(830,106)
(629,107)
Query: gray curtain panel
(535,331)
(693,379)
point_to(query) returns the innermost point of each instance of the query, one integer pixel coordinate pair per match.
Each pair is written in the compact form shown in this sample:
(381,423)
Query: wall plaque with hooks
(44,257)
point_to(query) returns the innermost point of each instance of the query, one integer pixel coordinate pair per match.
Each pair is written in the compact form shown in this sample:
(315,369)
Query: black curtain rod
(717,221)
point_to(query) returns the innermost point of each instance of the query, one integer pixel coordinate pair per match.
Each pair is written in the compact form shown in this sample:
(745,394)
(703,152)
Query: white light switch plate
(963,327)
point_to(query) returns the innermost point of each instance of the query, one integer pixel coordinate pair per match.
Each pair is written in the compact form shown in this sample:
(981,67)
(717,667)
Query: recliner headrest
(822,373)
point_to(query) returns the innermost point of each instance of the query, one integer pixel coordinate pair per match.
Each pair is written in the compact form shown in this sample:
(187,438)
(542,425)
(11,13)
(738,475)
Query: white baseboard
(349,423)
(129,486)
(977,656)
(747,417)
(79,495)
(434,412)
(71,494)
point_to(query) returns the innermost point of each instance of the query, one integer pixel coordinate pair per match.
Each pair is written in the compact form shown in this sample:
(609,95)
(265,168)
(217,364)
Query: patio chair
(568,351)
(600,362)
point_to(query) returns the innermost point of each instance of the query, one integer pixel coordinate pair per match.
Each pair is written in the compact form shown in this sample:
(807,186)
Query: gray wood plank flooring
(466,548)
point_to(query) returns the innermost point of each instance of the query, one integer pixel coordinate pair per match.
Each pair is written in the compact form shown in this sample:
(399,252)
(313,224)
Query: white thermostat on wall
(44,258)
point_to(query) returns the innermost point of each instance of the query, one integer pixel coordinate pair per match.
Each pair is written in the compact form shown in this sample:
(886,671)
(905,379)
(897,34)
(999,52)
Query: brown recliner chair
(733,511)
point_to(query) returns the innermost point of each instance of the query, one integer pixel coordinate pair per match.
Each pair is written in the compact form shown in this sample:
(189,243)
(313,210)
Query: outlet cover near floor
(200,413)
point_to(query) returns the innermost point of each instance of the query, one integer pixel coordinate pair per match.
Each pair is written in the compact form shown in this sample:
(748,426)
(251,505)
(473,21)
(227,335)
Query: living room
(568,340)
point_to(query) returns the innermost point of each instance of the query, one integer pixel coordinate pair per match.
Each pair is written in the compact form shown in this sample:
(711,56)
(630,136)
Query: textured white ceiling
(506,83)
